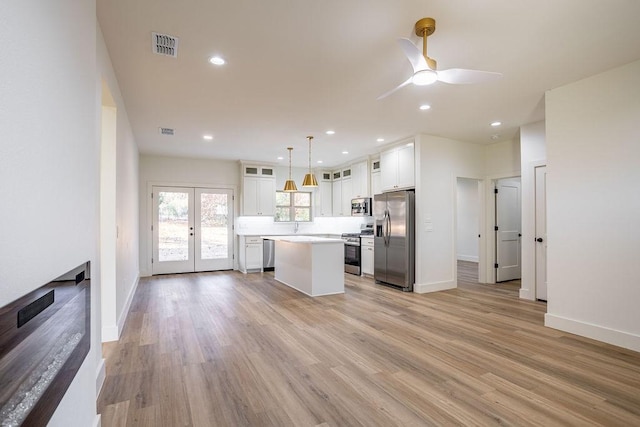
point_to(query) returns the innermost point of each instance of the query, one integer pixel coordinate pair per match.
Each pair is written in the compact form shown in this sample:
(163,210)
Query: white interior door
(192,229)
(541,232)
(508,226)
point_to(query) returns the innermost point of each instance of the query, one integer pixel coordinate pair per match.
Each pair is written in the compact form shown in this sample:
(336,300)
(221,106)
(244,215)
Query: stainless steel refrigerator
(394,239)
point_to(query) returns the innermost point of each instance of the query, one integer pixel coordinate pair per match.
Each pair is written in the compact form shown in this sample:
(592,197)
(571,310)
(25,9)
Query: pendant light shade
(310,179)
(290,185)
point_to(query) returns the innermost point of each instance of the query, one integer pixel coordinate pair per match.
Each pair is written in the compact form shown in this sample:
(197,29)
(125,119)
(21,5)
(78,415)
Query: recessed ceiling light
(410,144)
(425,107)
(494,124)
(208,137)
(280,158)
(330,132)
(345,152)
(494,137)
(380,139)
(216,60)
(319,161)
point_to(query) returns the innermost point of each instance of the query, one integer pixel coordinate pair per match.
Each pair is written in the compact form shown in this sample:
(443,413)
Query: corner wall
(593,205)
(122,209)
(439,161)
(533,153)
(49,164)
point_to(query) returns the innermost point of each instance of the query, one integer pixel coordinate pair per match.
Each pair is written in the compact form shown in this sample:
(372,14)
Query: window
(293,206)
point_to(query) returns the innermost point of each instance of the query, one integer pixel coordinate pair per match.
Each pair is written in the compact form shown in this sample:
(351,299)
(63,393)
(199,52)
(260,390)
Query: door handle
(539,240)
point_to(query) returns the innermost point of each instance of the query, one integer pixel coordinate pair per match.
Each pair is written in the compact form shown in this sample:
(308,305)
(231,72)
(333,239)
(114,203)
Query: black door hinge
(495,191)
(495,228)
(495,265)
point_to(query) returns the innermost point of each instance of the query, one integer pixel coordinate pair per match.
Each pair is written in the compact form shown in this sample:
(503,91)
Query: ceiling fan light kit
(425,68)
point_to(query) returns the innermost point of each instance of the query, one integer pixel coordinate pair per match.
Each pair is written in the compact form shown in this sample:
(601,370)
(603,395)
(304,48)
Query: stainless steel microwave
(361,207)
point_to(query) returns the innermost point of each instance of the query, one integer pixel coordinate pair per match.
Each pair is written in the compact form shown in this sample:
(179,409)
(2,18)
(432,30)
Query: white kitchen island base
(311,265)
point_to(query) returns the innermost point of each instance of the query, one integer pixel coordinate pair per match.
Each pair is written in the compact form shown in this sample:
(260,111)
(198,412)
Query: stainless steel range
(351,253)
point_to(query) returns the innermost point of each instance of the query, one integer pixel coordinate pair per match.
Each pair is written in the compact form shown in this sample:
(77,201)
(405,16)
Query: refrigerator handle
(388,228)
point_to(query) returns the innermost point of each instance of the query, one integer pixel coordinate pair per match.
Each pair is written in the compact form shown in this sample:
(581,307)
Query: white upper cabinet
(336,189)
(323,195)
(360,179)
(347,192)
(258,190)
(260,171)
(376,185)
(397,170)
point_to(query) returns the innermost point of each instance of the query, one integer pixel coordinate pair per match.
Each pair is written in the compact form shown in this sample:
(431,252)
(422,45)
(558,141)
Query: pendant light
(290,185)
(310,179)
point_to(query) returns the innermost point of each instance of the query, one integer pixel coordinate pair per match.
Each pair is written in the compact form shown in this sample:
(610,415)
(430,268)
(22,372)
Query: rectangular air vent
(166,131)
(164,44)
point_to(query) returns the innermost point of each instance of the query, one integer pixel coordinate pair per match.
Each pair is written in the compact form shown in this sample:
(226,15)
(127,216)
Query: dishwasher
(268,255)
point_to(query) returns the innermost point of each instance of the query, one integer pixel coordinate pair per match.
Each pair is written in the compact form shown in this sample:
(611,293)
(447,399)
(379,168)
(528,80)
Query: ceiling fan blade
(413,54)
(384,95)
(460,76)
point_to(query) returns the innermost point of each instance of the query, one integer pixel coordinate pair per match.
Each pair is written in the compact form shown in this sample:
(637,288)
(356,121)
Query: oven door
(352,258)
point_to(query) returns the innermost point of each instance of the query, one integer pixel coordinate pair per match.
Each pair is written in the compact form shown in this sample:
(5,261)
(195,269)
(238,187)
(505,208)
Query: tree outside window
(293,206)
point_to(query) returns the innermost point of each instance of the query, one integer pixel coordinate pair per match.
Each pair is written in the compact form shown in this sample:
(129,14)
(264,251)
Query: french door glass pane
(214,219)
(173,226)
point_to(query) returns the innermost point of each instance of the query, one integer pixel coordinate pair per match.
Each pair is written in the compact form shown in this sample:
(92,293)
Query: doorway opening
(468,226)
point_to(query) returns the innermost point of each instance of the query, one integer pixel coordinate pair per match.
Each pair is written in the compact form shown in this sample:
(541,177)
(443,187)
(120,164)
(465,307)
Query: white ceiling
(301,67)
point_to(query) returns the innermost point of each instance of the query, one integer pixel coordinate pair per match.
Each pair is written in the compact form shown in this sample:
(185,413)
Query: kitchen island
(309,264)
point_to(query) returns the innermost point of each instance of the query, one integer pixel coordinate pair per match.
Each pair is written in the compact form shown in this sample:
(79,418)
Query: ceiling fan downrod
(424,28)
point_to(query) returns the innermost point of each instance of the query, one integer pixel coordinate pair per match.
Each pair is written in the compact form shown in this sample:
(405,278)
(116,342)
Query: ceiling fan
(425,68)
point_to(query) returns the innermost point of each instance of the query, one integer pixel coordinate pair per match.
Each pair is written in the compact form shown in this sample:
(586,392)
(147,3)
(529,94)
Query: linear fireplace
(44,338)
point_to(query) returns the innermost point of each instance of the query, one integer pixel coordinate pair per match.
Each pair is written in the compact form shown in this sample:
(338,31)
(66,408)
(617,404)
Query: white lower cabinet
(250,254)
(367,255)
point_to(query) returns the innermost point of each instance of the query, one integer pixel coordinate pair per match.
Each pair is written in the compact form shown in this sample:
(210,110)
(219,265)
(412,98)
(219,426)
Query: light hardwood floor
(227,349)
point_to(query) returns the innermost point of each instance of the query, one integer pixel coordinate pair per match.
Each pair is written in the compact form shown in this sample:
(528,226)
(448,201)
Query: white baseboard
(596,332)
(423,288)
(472,258)
(112,332)
(127,305)
(527,294)
(100,376)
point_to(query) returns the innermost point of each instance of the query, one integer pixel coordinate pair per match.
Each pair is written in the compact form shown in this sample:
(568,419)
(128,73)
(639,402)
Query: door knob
(539,239)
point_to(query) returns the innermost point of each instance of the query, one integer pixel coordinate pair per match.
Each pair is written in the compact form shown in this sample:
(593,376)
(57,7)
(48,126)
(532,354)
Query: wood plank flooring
(227,349)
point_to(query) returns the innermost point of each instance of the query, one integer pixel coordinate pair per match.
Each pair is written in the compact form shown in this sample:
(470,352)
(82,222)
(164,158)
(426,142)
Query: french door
(192,229)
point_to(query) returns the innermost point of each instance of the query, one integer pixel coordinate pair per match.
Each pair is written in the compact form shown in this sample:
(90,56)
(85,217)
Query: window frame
(292,207)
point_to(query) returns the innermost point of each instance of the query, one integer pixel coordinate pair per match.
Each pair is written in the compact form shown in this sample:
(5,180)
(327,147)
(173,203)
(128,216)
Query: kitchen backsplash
(264,225)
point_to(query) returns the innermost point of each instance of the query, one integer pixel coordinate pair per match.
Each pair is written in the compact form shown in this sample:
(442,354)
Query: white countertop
(303,239)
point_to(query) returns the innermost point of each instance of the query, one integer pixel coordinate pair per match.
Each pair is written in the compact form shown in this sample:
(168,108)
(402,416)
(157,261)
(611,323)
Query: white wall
(122,211)
(439,161)
(502,159)
(179,171)
(468,219)
(593,231)
(533,153)
(49,163)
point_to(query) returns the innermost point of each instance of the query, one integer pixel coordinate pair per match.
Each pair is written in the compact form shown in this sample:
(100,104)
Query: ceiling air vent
(164,44)
(166,131)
